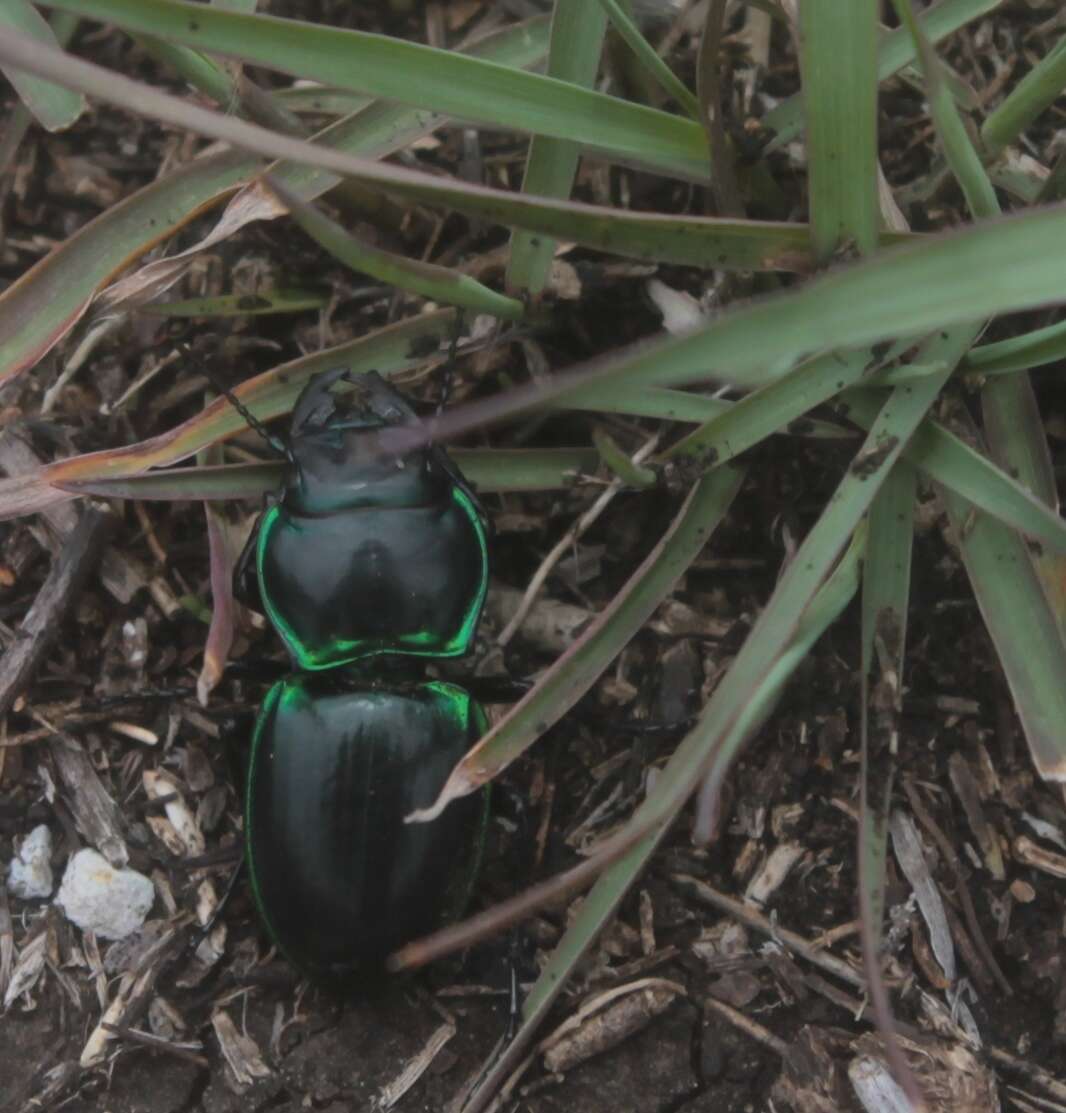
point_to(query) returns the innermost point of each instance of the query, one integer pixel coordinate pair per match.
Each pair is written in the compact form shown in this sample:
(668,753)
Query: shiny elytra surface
(339,879)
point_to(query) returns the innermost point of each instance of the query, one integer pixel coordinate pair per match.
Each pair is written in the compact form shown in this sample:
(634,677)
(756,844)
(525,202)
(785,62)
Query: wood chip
(241,1052)
(417,1067)
(907,845)
(610,1027)
(1047,861)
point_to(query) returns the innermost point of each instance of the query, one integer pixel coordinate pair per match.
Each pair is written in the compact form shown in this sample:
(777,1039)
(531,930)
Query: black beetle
(338,877)
(367,552)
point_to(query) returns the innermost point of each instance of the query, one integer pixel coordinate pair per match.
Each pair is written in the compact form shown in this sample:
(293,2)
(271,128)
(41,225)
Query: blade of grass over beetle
(55,107)
(908,291)
(1019,353)
(1038,90)
(574,55)
(267,396)
(838,61)
(488,470)
(613,884)
(713,743)
(441,80)
(42,306)
(896,50)
(411,275)
(574,673)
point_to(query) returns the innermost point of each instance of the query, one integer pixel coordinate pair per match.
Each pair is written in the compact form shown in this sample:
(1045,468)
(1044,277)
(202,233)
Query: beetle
(339,879)
(366,552)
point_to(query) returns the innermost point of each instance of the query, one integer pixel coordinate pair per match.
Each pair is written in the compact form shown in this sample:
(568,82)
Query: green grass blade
(416,277)
(713,743)
(573,55)
(490,470)
(963,159)
(948,460)
(240,305)
(771,408)
(1038,90)
(574,673)
(393,69)
(55,107)
(895,51)
(1031,349)
(645,53)
(1023,628)
(838,61)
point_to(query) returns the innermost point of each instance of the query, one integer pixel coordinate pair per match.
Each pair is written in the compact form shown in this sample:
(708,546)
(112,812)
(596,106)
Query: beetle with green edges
(368,553)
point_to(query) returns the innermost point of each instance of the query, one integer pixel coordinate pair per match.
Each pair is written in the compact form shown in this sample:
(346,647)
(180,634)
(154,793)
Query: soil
(238,1028)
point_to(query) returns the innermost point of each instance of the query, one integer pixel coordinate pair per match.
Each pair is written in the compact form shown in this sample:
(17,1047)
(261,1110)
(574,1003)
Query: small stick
(748,1026)
(60,589)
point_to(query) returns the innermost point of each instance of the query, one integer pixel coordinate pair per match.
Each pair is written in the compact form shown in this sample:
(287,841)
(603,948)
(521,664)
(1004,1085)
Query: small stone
(1022,891)
(29,876)
(99,898)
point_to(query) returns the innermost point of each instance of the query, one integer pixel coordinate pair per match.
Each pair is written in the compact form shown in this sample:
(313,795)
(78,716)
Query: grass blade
(39,309)
(1019,353)
(574,55)
(425,279)
(713,743)
(574,673)
(55,107)
(895,51)
(1031,96)
(444,81)
(1023,628)
(838,60)
(489,470)
(645,53)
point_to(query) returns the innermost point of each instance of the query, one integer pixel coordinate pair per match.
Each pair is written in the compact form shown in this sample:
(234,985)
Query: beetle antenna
(449,366)
(250,419)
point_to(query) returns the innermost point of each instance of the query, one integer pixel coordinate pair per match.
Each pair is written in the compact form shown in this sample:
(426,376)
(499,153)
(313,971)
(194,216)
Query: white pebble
(29,876)
(99,898)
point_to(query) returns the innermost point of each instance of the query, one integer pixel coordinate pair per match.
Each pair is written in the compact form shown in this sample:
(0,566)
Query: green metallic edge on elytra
(265,712)
(309,661)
